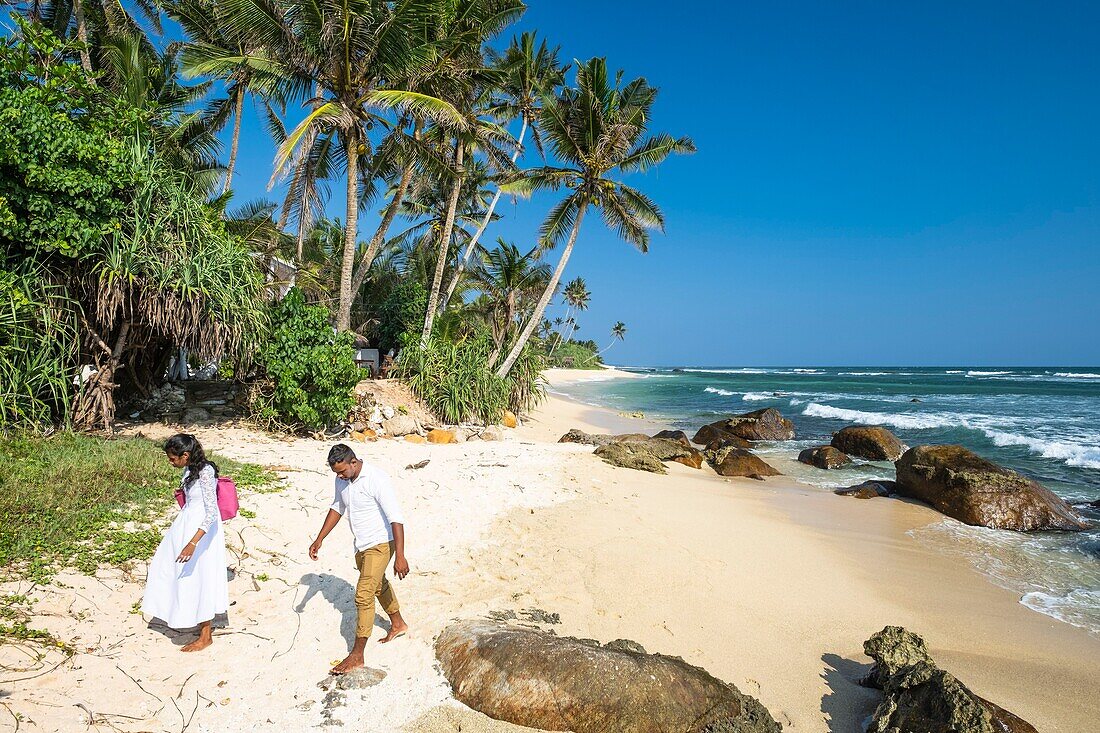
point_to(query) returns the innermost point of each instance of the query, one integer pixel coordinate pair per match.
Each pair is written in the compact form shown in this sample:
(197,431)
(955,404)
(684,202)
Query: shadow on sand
(847,704)
(341,594)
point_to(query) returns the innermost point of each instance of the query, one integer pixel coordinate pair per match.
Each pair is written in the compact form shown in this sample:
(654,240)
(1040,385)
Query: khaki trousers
(372,563)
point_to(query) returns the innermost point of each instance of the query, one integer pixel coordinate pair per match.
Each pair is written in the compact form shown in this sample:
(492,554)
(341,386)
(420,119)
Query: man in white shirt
(365,495)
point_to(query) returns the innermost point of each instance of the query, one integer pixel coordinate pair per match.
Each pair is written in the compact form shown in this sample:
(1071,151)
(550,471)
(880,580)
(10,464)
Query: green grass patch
(72,500)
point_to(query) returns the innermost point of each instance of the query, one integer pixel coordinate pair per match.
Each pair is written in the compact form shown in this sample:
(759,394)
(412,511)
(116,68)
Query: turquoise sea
(1042,422)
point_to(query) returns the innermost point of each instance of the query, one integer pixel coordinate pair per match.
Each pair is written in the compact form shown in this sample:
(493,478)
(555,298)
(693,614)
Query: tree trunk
(444,244)
(509,316)
(551,286)
(97,402)
(238,109)
(82,36)
(343,317)
(481,228)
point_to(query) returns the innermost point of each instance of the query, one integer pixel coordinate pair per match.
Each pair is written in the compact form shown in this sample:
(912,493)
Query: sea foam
(717,391)
(1071,454)
(906,421)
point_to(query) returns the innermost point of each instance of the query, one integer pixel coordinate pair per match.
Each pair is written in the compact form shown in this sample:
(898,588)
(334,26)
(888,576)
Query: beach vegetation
(73,500)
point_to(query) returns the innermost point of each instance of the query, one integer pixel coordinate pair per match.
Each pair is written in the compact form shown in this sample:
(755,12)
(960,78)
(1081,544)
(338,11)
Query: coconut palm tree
(618,331)
(510,279)
(350,50)
(212,52)
(595,130)
(526,73)
(576,297)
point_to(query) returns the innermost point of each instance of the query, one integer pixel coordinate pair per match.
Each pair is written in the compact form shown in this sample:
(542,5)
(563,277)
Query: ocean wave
(806,371)
(954,371)
(867,374)
(923,421)
(717,391)
(757,396)
(1077,375)
(1073,607)
(728,371)
(1072,454)
(974,373)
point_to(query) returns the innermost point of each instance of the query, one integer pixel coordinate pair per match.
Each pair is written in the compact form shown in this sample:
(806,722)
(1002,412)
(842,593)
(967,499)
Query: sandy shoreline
(772,586)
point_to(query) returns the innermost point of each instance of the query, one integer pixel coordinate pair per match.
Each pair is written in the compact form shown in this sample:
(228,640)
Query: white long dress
(183,595)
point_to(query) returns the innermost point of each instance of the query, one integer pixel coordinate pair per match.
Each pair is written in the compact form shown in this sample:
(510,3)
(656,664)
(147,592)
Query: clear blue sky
(876,182)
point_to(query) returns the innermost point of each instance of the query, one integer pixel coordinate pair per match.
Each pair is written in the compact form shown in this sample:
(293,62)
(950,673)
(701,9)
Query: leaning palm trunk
(444,245)
(343,318)
(480,230)
(383,227)
(561,338)
(544,301)
(237,111)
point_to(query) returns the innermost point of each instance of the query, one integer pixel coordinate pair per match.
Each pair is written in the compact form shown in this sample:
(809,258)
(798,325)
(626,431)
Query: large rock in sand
(824,456)
(529,677)
(870,442)
(399,425)
(740,462)
(766,424)
(963,485)
(921,698)
(643,453)
(869,489)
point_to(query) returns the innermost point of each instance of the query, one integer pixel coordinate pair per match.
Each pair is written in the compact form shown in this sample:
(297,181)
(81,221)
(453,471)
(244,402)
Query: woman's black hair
(181,443)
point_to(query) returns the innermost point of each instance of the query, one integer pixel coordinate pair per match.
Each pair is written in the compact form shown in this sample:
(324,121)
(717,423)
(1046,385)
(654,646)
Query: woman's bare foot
(354,660)
(198,644)
(397,628)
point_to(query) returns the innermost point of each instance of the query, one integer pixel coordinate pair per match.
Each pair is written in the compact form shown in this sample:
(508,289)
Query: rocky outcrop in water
(870,442)
(766,424)
(529,677)
(824,456)
(963,485)
(869,489)
(922,698)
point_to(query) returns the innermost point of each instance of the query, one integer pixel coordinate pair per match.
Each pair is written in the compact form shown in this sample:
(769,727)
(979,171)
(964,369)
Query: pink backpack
(227,498)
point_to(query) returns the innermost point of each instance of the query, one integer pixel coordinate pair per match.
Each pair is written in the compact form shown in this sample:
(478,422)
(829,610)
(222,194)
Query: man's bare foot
(351,661)
(198,644)
(397,628)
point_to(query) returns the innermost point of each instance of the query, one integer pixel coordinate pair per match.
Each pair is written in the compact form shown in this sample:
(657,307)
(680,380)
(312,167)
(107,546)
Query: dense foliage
(311,366)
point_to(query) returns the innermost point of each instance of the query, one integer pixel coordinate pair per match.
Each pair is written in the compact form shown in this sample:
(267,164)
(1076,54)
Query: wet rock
(963,485)
(399,425)
(915,399)
(740,462)
(523,676)
(824,456)
(631,455)
(921,698)
(716,435)
(869,489)
(871,442)
(765,424)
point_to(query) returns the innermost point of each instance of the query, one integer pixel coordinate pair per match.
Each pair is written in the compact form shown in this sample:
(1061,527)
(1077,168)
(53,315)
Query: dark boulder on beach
(963,485)
(579,436)
(870,442)
(922,698)
(630,455)
(739,462)
(533,678)
(679,435)
(869,489)
(824,456)
(766,424)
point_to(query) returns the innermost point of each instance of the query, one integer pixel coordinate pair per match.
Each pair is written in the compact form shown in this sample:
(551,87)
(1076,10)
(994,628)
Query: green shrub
(312,368)
(456,383)
(401,312)
(575,355)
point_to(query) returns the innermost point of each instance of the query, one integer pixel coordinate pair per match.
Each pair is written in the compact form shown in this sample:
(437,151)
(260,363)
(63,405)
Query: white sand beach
(772,586)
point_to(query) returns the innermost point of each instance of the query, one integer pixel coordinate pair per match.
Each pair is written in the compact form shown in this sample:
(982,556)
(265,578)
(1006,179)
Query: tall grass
(457,383)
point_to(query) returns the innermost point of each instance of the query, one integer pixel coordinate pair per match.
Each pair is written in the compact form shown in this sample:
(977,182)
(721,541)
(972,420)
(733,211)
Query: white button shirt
(370,506)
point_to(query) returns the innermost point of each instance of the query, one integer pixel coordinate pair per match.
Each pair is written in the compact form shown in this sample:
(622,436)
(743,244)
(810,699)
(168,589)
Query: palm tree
(509,279)
(594,130)
(350,49)
(212,52)
(527,73)
(576,296)
(618,331)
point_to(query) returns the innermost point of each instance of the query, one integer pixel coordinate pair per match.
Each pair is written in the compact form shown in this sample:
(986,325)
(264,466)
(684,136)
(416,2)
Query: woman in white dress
(187,584)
